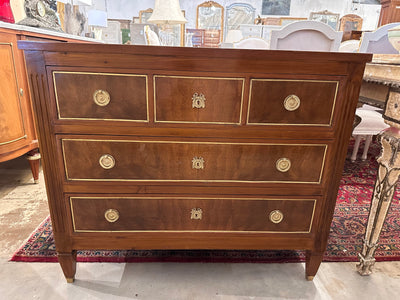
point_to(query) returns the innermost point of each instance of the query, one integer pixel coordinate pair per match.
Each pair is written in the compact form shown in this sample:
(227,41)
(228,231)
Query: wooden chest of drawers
(184,148)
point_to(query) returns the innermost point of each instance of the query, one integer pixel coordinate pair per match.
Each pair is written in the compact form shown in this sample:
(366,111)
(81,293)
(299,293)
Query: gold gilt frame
(211,4)
(327,17)
(144,15)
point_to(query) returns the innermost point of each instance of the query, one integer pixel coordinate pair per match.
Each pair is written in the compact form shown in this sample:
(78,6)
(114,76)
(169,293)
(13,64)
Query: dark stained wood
(75,91)
(267,101)
(173,161)
(239,184)
(175,214)
(173,99)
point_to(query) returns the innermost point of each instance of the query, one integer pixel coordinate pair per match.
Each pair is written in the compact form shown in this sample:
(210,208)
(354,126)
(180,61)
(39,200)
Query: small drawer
(101,96)
(132,160)
(292,102)
(198,99)
(191,214)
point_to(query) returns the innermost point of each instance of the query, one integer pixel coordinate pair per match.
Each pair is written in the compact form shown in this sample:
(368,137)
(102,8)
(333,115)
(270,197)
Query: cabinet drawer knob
(101,98)
(276,216)
(198,163)
(291,102)
(111,215)
(106,161)
(283,164)
(196,214)
(198,101)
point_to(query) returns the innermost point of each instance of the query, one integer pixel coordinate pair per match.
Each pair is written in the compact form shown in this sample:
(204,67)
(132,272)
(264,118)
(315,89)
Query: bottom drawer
(191,214)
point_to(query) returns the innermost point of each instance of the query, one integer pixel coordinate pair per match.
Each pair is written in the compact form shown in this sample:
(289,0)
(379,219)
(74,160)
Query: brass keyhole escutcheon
(291,102)
(198,163)
(276,216)
(283,164)
(107,161)
(196,214)
(101,98)
(111,215)
(198,101)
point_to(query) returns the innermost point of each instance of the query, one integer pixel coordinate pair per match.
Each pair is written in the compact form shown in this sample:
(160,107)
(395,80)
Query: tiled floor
(19,216)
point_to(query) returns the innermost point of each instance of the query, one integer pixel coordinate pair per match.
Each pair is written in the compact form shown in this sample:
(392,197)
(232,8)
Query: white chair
(251,43)
(306,36)
(377,41)
(371,124)
(349,46)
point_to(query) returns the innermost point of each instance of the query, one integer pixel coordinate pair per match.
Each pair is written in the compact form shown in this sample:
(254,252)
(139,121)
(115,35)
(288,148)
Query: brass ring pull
(291,102)
(283,164)
(276,216)
(111,215)
(198,101)
(101,98)
(198,163)
(106,161)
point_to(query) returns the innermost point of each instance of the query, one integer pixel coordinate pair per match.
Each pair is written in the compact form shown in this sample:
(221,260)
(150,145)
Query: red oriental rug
(345,240)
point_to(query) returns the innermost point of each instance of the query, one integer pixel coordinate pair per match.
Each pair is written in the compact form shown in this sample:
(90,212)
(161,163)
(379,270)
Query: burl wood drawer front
(198,99)
(101,96)
(292,102)
(186,161)
(191,214)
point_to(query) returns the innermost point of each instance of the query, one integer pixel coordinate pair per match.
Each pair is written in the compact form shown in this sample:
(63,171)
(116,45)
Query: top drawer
(292,102)
(180,99)
(102,96)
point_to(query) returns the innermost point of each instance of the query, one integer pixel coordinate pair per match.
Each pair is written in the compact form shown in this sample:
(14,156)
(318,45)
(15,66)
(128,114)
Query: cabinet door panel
(11,117)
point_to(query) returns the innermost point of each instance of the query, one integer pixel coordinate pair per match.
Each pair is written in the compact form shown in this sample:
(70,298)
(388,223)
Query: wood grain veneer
(154,188)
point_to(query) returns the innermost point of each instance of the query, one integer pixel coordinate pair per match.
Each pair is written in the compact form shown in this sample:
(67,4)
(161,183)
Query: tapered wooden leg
(68,264)
(34,162)
(313,261)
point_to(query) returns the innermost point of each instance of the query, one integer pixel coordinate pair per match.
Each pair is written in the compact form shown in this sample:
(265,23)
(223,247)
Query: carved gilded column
(385,184)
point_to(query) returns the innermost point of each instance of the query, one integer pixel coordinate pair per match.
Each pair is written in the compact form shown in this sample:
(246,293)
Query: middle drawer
(133,160)
(183,99)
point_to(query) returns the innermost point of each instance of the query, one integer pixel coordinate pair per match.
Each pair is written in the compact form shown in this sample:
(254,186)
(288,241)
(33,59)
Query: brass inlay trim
(194,198)
(103,74)
(193,180)
(17,139)
(199,77)
(18,95)
(293,124)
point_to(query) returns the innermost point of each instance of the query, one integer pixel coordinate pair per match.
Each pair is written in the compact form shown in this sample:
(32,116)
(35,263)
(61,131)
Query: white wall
(126,9)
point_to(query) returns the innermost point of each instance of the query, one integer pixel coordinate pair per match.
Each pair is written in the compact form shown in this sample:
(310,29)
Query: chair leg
(356,146)
(368,140)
